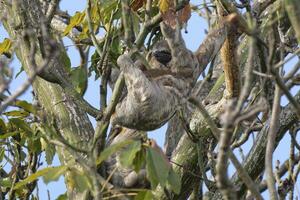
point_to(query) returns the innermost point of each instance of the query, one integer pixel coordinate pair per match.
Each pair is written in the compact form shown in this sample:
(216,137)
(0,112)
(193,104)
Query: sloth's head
(160,55)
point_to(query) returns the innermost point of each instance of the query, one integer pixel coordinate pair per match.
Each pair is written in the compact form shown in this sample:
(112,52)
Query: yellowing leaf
(76,20)
(95,14)
(26,106)
(17,113)
(6,135)
(164,5)
(5,46)
(54,173)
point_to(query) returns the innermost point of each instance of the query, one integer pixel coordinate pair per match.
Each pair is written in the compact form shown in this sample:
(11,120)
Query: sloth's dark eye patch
(164,57)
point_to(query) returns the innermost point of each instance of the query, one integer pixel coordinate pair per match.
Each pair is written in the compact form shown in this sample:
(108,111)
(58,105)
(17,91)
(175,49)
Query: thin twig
(292,72)
(31,78)
(287,93)
(103,124)
(147,27)
(216,132)
(281,172)
(281,63)
(91,30)
(271,144)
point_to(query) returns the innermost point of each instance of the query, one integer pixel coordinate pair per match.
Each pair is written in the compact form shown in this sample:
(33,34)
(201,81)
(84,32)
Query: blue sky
(193,38)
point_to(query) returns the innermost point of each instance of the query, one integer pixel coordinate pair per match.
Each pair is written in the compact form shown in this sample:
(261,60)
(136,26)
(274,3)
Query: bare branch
(271,144)
(216,132)
(31,77)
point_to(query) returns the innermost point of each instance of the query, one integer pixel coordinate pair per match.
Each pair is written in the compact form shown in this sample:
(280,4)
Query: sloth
(153,96)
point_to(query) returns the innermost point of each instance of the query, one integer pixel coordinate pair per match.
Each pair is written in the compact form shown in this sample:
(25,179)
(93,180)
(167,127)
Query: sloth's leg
(138,85)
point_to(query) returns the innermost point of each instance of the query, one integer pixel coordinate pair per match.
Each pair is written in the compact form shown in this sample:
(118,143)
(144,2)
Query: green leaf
(136,23)
(115,50)
(95,59)
(62,197)
(79,79)
(144,195)
(95,14)
(111,150)
(50,153)
(95,19)
(157,168)
(2,127)
(65,60)
(23,155)
(33,197)
(21,124)
(174,181)
(54,173)
(38,174)
(139,160)
(17,113)
(34,145)
(127,156)
(2,151)
(26,106)
(82,182)
(5,182)
(76,20)
(107,7)
(6,135)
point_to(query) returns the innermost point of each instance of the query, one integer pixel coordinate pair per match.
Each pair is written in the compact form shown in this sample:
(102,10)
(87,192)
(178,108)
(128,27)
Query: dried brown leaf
(137,4)
(169,18)
(184,14)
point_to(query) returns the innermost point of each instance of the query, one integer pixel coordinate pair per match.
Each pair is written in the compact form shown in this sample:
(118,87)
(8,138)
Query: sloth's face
(160,55)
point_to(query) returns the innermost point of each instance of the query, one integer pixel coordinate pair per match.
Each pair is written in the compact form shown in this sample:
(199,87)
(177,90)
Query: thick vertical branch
(231,70)
(127,23)
(232,83)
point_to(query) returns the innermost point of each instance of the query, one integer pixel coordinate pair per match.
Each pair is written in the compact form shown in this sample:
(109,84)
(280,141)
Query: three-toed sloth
(153,99)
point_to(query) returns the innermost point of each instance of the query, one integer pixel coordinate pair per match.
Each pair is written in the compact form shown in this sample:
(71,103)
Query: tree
(208,118)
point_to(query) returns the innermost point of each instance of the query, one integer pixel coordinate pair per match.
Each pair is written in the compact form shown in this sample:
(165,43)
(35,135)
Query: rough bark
(71,121)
